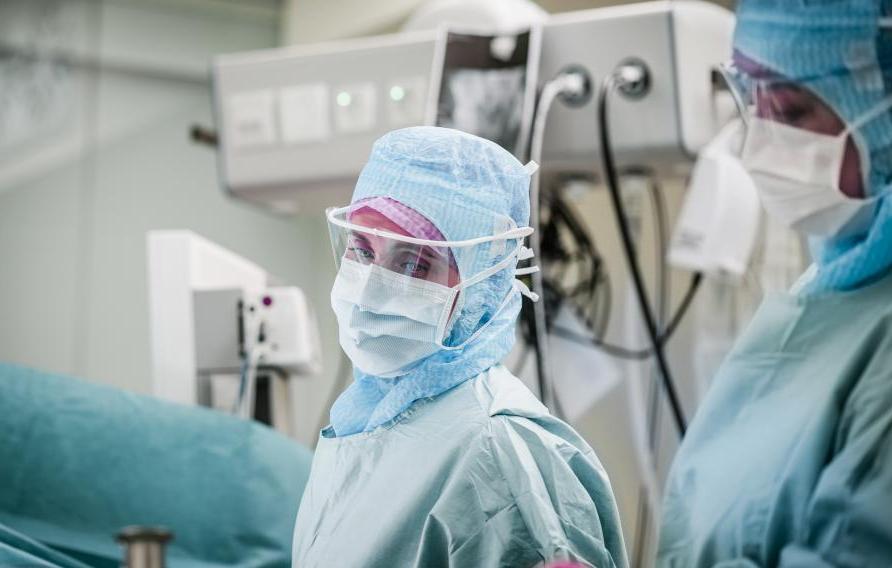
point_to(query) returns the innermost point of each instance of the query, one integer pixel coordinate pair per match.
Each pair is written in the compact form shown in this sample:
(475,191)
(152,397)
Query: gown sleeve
(561,506)
(849,516)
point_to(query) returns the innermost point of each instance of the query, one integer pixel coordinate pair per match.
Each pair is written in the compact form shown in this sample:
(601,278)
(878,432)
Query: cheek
(851,180)
(454,279)
(454,276)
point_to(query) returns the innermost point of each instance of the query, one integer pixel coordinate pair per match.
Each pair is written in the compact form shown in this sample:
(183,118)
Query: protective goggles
(423,260)
(781,100)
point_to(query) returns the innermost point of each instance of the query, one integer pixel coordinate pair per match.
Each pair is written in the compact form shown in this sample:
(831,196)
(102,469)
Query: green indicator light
(397,93)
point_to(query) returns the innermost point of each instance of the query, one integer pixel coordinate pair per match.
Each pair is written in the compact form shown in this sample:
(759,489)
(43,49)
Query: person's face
(792,104)
(421,262)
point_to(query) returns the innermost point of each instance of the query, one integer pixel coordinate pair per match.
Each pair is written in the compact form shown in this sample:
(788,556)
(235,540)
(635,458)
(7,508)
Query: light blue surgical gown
(789,460)
(479,476)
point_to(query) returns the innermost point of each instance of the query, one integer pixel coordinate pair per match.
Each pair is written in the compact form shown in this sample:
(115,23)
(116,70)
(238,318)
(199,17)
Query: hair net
(841,50)
(462,184)
(410,220)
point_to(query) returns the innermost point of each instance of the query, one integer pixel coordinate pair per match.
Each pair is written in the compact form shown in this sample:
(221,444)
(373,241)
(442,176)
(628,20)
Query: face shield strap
(517,285)
(882,106)
(521,287)
(514,232)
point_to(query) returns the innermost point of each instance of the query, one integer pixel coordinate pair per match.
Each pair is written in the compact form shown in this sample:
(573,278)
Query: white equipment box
(297,124)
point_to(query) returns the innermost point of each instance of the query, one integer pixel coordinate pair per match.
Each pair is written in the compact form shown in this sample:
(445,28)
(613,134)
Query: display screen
(486,86)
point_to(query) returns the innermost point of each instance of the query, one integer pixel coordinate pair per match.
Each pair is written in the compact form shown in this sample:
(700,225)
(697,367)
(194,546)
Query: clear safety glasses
(364,240)
(781,100)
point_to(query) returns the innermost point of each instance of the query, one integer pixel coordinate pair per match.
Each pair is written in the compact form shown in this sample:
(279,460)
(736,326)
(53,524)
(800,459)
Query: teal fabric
(479,476)
(788,462)
(837,49)
(18,550)
(81,461)
(460,183)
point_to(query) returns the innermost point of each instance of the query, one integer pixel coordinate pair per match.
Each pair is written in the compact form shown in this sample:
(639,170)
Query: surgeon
(436,455)
(789,460)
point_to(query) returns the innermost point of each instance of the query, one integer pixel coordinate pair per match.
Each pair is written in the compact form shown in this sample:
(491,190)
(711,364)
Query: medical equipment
(277,329)
(632,80)
(216,320)
(485,84)
(144,547)
(295,123)
(501,17)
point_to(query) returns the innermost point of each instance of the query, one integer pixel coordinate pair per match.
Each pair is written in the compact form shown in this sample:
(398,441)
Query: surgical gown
(789,460)
(479,476)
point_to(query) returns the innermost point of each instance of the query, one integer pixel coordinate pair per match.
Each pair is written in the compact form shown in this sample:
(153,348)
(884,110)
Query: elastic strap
(870,115)
(525,253)
(476,334)
(526,271)
(525,290)
(501,265)
(483,275)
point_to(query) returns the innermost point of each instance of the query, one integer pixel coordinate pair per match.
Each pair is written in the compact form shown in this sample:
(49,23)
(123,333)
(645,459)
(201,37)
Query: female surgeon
(436,455)
(789,460)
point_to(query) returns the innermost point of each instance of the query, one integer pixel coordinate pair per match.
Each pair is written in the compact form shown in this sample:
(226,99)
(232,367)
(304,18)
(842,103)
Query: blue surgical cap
(467,186)
(841,50)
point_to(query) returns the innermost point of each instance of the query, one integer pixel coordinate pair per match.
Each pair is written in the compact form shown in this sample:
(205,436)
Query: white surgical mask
(797,174)
(390,322)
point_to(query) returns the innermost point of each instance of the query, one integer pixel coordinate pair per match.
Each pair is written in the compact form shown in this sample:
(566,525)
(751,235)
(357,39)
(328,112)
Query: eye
(788,104)
(416,269)
(361,253)
(792,114)
(413,265)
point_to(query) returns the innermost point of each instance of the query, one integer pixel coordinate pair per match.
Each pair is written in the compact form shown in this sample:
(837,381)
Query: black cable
(636,354)
(559,225)
(611,179)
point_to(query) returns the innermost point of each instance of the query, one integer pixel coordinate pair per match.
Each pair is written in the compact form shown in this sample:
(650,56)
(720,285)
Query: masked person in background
(436,455)
(789,459)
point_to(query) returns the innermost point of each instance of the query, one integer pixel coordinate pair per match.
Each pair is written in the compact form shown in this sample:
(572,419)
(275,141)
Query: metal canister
(144,546)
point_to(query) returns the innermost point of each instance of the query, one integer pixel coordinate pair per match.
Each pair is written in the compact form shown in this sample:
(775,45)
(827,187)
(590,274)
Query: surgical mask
(797,174)
(390,322)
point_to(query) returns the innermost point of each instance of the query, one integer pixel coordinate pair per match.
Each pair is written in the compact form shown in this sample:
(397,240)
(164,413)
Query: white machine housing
(196,289)
(296,124)
(289,329)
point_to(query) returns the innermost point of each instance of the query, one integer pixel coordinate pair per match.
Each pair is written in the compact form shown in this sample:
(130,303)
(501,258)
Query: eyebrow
(358,236)
(425,252)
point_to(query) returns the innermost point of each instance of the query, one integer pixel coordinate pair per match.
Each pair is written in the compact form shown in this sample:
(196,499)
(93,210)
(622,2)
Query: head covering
(413,222)
(840,51)
(464,185)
